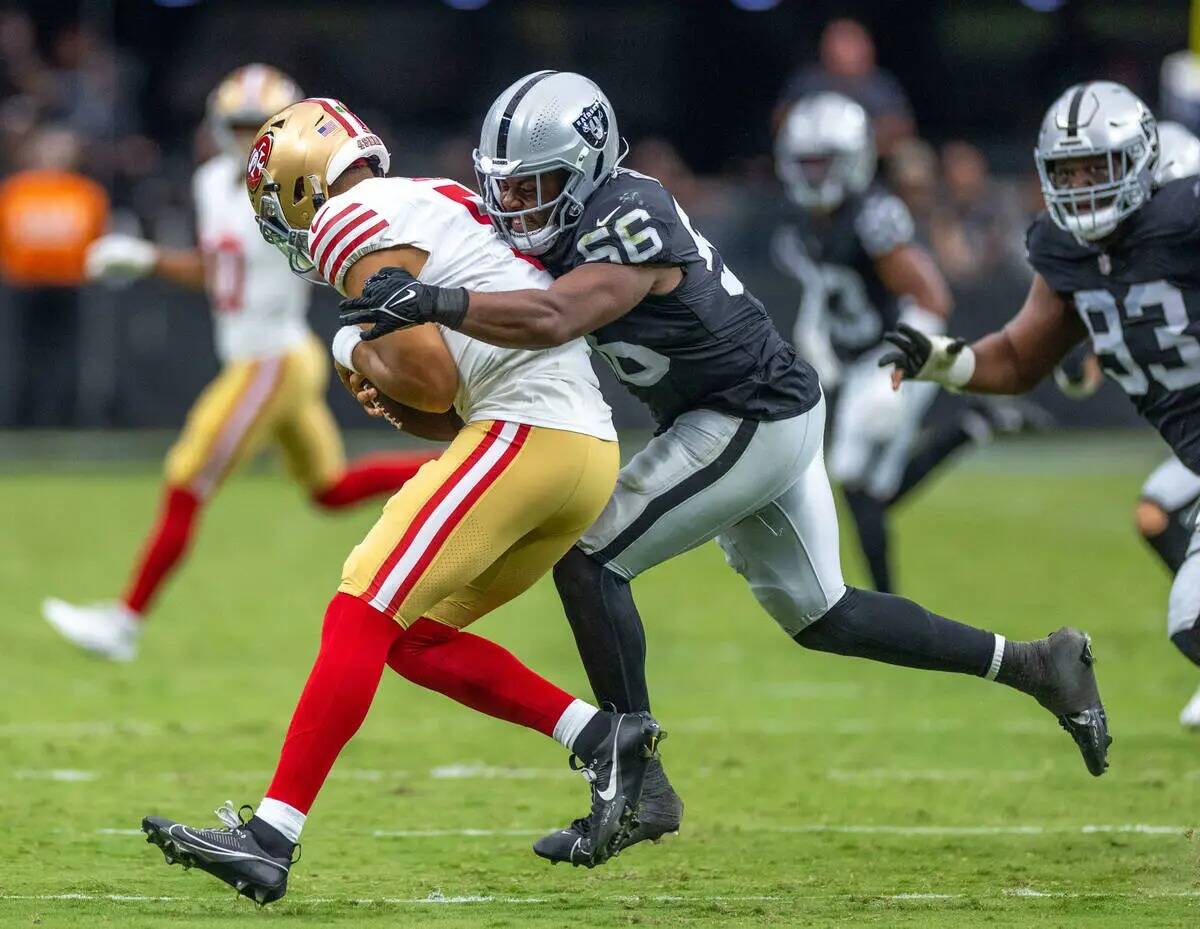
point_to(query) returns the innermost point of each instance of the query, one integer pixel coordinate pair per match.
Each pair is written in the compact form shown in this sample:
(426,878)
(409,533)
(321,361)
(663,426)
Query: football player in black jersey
(1165,514)
(1115,262)
(850,245)
(738,455)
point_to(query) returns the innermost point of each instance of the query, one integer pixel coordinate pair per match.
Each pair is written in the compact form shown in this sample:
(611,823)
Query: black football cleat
(231,854)
(658,814)
(661,810)
(616,773)
(1063,680)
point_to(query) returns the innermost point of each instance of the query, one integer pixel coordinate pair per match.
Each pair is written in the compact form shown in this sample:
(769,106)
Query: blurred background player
(271,388)
(1165,514)
(1115,262)
(852,248)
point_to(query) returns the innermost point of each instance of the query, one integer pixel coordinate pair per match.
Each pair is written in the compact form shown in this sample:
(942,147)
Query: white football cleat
(1189,716)
(107,630)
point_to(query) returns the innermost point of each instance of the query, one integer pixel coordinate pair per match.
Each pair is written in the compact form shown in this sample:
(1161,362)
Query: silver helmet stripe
(1073,111)
(511,109)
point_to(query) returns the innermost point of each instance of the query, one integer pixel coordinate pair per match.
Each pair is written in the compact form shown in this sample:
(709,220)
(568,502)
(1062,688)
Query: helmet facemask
(817,180)
(525,229)
(1093,211)
(275,229)
(825,152)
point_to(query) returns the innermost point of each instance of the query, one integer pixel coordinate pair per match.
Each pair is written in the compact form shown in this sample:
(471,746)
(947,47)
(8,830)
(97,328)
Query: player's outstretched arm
(1011,361)
(118,259)
(1018,357)
(577,303)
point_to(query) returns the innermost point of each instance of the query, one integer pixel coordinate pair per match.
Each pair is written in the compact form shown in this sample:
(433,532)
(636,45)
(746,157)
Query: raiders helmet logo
(257,161)
(592,125)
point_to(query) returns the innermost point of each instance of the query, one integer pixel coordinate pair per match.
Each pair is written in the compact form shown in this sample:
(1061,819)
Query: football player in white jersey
(271,388)
(532,464)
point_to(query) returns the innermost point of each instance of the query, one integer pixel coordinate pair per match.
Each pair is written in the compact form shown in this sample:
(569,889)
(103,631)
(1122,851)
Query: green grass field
(821,791)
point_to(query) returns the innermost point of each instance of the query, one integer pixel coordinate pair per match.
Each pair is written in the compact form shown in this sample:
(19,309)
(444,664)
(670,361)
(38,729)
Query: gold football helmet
(299,153)
(244,99)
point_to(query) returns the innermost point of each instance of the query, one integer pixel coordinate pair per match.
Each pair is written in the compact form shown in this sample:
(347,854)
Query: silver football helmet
(1178,153)
(825,151)
(547,121)
(1096,156)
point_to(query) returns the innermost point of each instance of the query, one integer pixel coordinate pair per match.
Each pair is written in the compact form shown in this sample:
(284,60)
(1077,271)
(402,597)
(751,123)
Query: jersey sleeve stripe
(351,246)
(321,254)
(323,224)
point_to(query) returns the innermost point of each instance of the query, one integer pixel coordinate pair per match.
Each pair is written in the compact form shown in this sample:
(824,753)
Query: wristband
(344,341)
(962,369)
(450,306)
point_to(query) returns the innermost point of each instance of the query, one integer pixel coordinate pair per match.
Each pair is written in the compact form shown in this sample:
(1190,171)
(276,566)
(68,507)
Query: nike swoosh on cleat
(610,791)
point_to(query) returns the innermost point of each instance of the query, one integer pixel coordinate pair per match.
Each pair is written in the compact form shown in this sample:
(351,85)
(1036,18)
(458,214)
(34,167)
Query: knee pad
(793,604)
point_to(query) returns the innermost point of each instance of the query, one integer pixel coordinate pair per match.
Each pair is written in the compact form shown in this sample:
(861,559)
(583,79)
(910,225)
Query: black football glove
(921,356)
(393,299)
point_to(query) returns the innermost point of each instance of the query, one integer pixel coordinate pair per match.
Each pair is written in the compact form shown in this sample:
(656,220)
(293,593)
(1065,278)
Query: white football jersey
(555,388)
(259,306)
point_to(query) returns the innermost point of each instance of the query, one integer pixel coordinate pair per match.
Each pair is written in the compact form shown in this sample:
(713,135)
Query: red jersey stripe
(430,506)
(351,246)
(456,517)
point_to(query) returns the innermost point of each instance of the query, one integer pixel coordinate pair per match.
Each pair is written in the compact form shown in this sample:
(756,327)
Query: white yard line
(480,771)
(55,774)
(841,829)
(892,775)
(437,898)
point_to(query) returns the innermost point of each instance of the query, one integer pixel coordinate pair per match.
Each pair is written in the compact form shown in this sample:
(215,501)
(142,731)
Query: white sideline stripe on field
(935,774)
(489,772)
(55,774)
(708,725)
(436,898)
(810,828)
(803,829)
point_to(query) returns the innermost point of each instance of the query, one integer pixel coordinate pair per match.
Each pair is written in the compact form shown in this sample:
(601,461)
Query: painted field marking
(480,771)
(935,774)
(437,898)
(55,774)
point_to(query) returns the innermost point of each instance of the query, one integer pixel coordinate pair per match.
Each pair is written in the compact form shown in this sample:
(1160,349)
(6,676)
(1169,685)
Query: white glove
(119,259)
(920,357)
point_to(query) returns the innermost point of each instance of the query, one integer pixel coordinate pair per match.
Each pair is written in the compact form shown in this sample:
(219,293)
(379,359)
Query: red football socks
(164,548)
(477,673)
(354,648)
(371,476)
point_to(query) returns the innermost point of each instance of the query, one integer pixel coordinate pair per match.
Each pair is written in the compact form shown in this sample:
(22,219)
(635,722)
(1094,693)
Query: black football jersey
(708,344)
(833,258)
(1138,293)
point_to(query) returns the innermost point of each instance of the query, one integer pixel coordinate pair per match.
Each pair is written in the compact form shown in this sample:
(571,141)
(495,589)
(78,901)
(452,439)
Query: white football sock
(577,715)
(288,820)
(997,658)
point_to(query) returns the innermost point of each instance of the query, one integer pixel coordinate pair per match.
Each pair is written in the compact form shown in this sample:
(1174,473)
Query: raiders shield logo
(592,125)
(257,161)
